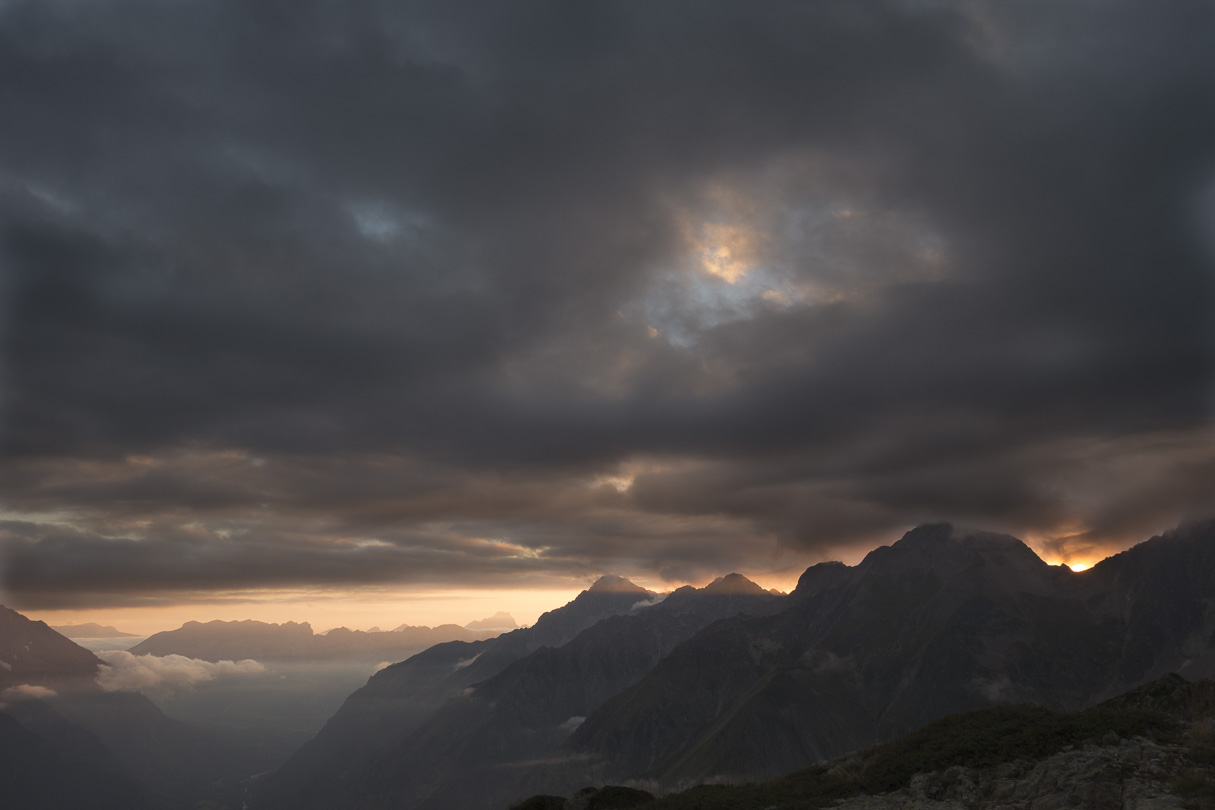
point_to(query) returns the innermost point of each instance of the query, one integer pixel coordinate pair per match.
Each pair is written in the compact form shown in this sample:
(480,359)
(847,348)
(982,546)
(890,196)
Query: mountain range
(940,622)
(90,630)
(726,683)
(732,682)
(236,640)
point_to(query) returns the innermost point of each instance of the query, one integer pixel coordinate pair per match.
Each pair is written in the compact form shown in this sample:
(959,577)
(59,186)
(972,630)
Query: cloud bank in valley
(358,294)
(165,674)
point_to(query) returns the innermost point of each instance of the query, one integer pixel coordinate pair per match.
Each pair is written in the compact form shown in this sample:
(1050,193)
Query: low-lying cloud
(27,691)
(646,603)
(465,662)
(165,674)
(572,724)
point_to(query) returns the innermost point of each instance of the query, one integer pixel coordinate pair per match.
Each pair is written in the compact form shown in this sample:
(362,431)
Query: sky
(440,308)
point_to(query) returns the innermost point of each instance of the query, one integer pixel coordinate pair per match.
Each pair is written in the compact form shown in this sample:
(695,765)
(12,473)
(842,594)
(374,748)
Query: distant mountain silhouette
(90,630)
(380,716)
(66,743)
(753,685)
(500,622)
(233,641)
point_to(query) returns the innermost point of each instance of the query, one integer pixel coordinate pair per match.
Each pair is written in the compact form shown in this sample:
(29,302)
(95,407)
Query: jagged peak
(499,621)
(610,583)
(218,624)
(733,584)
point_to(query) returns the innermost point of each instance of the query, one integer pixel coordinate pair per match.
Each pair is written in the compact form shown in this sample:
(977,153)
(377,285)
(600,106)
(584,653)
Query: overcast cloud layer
(354,293)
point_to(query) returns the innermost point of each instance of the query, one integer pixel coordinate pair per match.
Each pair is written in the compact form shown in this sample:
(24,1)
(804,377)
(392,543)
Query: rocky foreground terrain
(1151,749)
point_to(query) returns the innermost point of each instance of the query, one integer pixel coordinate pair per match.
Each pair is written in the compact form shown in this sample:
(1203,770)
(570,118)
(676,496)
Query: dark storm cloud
(349,293)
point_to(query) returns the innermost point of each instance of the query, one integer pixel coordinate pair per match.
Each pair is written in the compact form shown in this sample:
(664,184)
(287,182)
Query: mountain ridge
(90,630)
(941,621)
(235,640)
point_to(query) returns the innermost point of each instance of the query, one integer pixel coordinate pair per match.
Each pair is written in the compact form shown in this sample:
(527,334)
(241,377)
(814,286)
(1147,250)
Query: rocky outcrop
(1137,774)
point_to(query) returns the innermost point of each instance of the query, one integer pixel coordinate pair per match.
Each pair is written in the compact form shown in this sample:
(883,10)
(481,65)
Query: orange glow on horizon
(362,610)
(325,610)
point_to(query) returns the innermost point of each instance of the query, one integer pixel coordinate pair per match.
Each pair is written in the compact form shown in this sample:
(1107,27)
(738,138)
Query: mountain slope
(59,771)
(396,700)
(34,654)
(470,749)
(1161,595)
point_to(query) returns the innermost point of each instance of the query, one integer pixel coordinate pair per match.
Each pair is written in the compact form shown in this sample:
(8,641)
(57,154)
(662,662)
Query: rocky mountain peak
(733,584)
(946,545)
(610,583)
(819,576)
